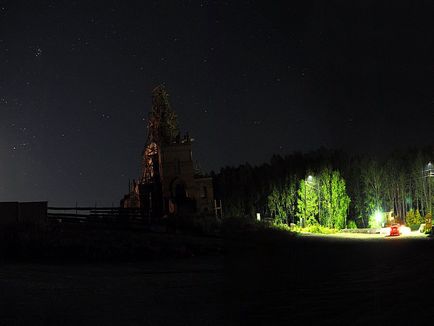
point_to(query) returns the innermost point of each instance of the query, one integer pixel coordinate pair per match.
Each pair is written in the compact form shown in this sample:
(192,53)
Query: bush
(317,228)
(351,224)
(410,220)
(282,226)
(419,219)
(413,219)
(313,228)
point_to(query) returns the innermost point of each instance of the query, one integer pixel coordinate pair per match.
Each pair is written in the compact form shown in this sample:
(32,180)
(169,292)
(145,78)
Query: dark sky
(247,79)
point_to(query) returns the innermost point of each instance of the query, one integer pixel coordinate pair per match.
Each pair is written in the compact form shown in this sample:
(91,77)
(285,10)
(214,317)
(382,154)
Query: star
(38,52)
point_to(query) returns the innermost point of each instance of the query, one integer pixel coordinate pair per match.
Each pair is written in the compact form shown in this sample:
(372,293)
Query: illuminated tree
(326,194)
(418,218)
(413,219)
(397,182)
(372,180)
(410,219)
(282,202)
(334,200)
(307,203)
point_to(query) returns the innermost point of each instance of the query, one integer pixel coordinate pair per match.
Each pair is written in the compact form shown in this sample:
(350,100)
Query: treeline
(329,187)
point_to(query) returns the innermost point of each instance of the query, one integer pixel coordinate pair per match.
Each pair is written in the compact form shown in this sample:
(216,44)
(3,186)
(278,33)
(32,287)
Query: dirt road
(336,280)
(321,280)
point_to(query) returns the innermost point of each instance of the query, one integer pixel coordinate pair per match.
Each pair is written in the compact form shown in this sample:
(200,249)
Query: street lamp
(429,174)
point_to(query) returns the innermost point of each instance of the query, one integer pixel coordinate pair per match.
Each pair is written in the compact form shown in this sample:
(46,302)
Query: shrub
(411,220)
(282,226)
(351,224)
(419,218)
(316,228)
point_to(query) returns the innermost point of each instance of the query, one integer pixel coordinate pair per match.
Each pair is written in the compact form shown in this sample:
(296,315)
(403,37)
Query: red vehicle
(394,230)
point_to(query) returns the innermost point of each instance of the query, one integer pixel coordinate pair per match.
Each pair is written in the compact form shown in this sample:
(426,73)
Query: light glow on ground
(343,235)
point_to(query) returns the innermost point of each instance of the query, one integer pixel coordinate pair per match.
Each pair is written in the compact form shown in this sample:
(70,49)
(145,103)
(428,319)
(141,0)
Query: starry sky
(247,79)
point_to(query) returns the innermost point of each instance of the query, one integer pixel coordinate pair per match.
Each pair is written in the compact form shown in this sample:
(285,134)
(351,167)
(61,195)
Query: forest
(331,188)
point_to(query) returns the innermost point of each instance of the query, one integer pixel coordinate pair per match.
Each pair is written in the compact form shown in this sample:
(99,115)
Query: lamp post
(429,174)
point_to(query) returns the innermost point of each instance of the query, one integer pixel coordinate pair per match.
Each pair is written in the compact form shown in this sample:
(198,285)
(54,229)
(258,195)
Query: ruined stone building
(169,183)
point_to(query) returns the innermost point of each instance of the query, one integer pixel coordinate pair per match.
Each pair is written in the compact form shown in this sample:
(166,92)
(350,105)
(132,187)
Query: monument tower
(169,182)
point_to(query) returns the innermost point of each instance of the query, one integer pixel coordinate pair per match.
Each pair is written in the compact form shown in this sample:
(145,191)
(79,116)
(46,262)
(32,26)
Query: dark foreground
(288,281)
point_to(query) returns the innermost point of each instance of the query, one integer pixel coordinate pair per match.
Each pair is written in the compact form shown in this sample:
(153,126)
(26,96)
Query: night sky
(246,78)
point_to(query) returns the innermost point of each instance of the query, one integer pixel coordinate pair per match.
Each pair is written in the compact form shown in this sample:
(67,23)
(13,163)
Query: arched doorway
(178,190)
(179,196)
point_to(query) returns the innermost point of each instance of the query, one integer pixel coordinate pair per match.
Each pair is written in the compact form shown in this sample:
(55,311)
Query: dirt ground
(332,280)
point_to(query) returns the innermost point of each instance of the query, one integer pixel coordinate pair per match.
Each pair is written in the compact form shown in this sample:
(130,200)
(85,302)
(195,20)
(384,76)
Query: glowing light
(405,230)
(378,217)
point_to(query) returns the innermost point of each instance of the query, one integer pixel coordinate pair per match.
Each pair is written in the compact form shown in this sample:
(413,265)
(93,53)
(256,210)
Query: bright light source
(309,178)
(405,230)
(258,216)
(378,217)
